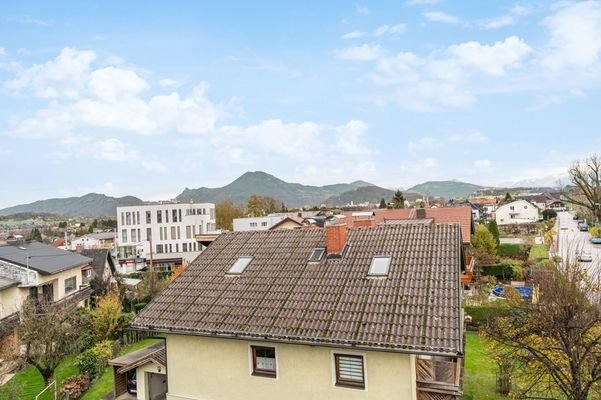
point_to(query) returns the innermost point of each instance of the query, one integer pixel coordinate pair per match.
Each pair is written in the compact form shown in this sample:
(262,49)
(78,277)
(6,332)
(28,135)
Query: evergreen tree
(383,203)
(494,231)
(36,235)
(398,200)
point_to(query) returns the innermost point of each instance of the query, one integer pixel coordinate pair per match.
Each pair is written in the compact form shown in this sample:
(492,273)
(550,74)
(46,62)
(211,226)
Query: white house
(93,241)
(517,212)
(171,227)
(266,222)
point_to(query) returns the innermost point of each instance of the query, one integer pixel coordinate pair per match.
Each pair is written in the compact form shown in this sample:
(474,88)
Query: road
(571,241)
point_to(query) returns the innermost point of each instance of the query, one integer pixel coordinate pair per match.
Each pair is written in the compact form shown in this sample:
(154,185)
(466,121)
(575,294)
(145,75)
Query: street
(571,241)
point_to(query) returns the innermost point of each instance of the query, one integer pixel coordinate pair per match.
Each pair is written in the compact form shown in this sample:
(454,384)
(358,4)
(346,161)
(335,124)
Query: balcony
(439,378)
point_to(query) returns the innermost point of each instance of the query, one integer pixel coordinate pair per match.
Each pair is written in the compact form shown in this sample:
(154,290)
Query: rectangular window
(178,233)
(188,232)
(174,215)
(184,247)
(138,217)
(133,236)
(349,371)
(173,233)
(166,215)
(128,218)
(253,224)
(240,265)
(379,266)
(122,218)
(177,247)
(124,236)
(264,363)
(264,223)
(317,254)
(159,248)
(70,284)
(148,233)
(179,213)
(159,217)
(160,233)
(148,217)
(194,230)
(212,210)
(170,248)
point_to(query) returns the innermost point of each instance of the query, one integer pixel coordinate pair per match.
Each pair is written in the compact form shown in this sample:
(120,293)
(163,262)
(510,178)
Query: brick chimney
(335,238)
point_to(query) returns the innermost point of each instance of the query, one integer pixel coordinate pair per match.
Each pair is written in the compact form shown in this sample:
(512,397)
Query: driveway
(571,241)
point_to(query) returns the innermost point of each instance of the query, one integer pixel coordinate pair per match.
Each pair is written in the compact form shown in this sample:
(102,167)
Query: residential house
(334,313)
(102,266)
(170,226)
(268,221)
(520,212)
(102,240)
(33,269)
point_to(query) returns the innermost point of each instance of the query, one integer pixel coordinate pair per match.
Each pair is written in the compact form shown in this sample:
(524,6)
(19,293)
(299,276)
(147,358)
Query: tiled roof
(444,215)
(99,259)
(127,362)
(42,258)
(282,297)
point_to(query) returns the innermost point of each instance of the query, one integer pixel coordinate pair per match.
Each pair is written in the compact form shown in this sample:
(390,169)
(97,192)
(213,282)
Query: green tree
(225,212)
(254,206)
(508,198)
(482,239)
(36,235)
(585,180)
(383,203)
(494,231)
(62,224)
(398,200)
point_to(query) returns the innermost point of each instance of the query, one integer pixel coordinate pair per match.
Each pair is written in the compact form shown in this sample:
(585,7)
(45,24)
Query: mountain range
(257,182)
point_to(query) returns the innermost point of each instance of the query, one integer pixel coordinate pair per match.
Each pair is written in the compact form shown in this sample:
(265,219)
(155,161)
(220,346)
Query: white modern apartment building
(171,227)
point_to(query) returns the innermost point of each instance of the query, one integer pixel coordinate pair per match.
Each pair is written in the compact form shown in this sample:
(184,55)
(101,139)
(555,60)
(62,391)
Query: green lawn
(539,252)
(480,371)
(32,382)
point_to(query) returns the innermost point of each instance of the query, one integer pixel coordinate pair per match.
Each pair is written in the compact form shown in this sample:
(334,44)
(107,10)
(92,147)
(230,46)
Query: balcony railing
(439,379)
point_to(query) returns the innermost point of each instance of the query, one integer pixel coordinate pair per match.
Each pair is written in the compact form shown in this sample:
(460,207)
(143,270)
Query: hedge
(510,250)
(500,271)
(482,314)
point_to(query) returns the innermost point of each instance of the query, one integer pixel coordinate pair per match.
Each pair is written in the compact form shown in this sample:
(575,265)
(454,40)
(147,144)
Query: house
(516,213)
(334,313)
(288,223)
(170,227)
(102,266)
(461,215)
(268,221)
(36,270)
(102,240)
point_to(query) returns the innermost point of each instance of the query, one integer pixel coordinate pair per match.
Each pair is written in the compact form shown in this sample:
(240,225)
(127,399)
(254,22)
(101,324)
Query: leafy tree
(383,203)
(398,200)
(106,317)
(482,239)
(549,213)
(36,235)
(49,332)
(283,208)
(556,339)
(585,178)
(494,231)
(225,212)
(254,206)
(594,231)
(62,224)
(508,198)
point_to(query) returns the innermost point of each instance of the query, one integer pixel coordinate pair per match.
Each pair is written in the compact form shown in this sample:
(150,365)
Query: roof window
(379,266)
(240,265)
(317,254)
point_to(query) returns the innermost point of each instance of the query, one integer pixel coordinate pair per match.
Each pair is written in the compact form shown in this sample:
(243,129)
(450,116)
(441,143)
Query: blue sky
(147,98)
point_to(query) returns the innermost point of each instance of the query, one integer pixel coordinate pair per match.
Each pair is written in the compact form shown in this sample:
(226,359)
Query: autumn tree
(554,342)
(398,200)
(225,212)
(485,246)
(254,206)
(585,179)
(107,317)
(49,332)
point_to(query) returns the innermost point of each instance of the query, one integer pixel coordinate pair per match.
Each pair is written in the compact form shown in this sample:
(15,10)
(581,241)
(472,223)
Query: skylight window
(379,266)
(239,266)
(317,254)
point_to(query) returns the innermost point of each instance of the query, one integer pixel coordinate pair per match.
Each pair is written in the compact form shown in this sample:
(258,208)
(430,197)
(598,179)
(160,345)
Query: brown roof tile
(283,297)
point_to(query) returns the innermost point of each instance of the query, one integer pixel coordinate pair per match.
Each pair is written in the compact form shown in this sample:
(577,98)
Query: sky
(147,98)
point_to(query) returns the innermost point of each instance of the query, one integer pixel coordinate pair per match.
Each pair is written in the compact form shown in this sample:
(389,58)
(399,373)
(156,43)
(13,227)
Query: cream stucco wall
(212,368)
(58,281)
(10,301)
(141,384)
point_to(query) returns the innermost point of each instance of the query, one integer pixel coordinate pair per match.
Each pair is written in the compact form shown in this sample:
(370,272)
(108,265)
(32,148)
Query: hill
(292,194)
(446,189)
(89,205)
(372,194)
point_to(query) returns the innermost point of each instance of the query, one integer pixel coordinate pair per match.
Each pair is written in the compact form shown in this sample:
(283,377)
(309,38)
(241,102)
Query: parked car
(585,256)
(596,240)
(132,383)
(563,227)
(582,226)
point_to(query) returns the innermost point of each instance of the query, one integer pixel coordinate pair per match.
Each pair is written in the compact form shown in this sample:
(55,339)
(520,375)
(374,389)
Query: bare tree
(585,178)
(554,342)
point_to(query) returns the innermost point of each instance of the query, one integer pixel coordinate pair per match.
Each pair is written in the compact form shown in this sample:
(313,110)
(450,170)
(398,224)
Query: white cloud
(483,164)
(425,143)
(575,36)
(381,30)
(364,52)
(353,35)
(115,150)
(492,59)
(2,51)
(398,29)
(439,16)
(170,84)
(510,18)
(470,137)
(421,2)
(362,9)
(430,163)
(349,138)
(110,84)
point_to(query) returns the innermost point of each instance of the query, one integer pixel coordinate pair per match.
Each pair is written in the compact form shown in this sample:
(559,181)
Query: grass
(510,250)
(105,383)
(539,252)
(32,382)
(480,371)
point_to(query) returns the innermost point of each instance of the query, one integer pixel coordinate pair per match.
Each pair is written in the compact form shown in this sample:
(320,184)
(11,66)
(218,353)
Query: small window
(379,266)
(240,265)
(264,361)
(317,254)
(349,371)
(70,284)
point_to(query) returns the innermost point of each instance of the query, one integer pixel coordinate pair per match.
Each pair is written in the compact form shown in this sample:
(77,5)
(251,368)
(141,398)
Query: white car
(585,256)
(563,227)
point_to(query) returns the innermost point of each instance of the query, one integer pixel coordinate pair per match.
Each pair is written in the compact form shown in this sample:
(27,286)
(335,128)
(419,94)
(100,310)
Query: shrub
(549,213)
(139,306)
(594,231)
(510,250)
(482,314)
(93,361)
(74,387)
(500,271)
